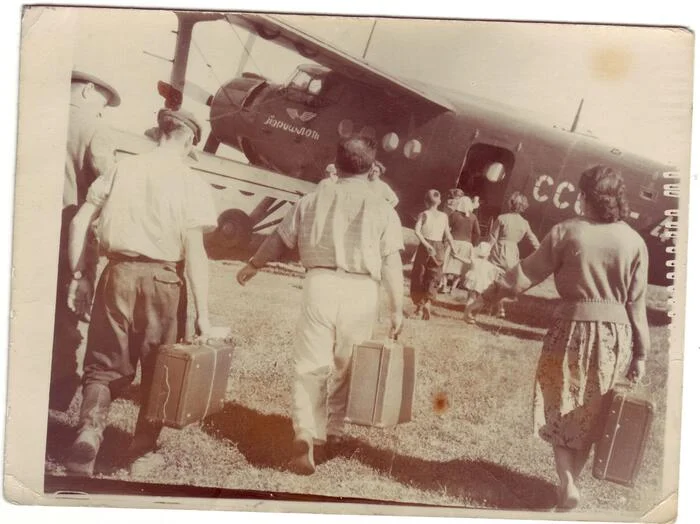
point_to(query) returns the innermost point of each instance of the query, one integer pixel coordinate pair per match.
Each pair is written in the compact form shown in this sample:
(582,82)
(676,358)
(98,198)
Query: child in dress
(478,278)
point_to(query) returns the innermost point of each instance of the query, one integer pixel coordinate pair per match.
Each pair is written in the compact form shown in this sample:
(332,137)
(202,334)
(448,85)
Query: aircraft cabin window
(345,128)
(495,172)
(390,142)
(412,149)
(648,194)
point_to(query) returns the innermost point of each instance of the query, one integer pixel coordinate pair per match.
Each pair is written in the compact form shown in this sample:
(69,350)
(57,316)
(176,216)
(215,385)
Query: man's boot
(93,420)
(142,451)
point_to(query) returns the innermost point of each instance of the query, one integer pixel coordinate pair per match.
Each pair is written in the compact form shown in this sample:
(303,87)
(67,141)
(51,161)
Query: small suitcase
(189,382)
(382,384)
(619,452)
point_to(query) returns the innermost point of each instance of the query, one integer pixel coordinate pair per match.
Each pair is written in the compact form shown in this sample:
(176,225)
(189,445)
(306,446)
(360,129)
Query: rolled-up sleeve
(99,190)
(288,230)
(101,153)
(200,212)
(391,239)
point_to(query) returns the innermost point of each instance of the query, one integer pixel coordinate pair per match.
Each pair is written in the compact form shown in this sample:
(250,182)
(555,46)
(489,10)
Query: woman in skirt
(507,232)
(599,333)
(466,234)
(432,230)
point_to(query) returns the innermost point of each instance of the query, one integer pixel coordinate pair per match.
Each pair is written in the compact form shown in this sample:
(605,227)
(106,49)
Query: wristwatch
(77,275)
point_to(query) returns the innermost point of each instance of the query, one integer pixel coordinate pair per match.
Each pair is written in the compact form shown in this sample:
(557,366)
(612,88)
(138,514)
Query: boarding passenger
(89,154)
(432,229)
(152,212)
(349,241)
(507,232)
(380,186)
(599,332)
(465,231)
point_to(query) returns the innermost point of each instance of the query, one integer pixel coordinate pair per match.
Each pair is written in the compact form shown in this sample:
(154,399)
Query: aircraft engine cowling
(230,115)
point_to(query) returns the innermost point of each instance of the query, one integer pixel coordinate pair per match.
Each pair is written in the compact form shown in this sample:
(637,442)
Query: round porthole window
(495,172)
(412,149)
(345,128)
(390,142)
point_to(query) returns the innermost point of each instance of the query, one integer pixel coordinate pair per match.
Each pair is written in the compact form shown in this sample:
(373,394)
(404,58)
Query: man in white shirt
(349,241)
(152,213)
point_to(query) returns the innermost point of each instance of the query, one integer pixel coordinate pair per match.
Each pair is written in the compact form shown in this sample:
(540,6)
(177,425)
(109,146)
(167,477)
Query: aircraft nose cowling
(230,113)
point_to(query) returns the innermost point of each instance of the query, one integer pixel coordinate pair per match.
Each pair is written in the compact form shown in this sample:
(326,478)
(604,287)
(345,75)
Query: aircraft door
(485,174)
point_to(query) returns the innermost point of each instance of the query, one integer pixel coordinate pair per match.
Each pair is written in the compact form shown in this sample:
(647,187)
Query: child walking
(432,230)
(478,278)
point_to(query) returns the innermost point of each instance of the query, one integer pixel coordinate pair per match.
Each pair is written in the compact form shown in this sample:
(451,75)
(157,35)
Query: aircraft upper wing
(273,29)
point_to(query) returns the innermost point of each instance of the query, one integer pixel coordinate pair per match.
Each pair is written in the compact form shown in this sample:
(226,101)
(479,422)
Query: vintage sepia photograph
(351,264)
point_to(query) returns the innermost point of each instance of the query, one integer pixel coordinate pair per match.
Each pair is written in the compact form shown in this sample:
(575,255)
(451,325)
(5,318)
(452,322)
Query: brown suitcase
(382,384)
(189,382)
(619,452)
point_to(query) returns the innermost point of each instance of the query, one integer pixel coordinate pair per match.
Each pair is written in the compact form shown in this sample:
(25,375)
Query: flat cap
(186,118)
(112,100)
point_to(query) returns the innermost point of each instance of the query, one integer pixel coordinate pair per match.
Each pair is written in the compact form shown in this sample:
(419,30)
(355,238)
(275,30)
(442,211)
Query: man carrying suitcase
(152,214)
(349,240)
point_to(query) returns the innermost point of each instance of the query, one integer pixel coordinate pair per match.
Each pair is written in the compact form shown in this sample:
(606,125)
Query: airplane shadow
(265,441)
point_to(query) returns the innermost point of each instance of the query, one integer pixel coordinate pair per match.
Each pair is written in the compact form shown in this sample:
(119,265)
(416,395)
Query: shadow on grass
(484,483)
(265,441)
(60,437)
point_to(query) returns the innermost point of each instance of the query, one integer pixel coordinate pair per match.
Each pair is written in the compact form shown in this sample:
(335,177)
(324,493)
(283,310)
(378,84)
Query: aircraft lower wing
(224,171)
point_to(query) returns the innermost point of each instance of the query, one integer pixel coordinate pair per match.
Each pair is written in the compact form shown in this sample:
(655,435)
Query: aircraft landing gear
(235,229)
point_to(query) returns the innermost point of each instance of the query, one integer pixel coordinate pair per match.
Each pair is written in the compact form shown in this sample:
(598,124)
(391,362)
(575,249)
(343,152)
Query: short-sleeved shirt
(385,191)
(149,204)
(89,155)
(344,225)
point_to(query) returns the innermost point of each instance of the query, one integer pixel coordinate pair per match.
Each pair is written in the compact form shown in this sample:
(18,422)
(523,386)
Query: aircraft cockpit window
(305,84)
(315,86)
(300,81)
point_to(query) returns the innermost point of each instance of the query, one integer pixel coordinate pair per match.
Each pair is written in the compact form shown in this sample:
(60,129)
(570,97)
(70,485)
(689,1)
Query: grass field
(470,443)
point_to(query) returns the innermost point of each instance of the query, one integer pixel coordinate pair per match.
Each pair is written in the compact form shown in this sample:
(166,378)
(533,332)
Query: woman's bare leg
(565,460)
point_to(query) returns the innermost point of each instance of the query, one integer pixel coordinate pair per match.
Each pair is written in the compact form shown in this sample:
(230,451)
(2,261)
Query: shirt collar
(354,179)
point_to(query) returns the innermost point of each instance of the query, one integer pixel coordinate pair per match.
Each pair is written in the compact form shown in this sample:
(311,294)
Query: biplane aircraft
(428,137)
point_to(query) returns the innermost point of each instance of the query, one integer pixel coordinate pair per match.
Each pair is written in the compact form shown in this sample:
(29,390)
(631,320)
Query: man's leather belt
(121,257)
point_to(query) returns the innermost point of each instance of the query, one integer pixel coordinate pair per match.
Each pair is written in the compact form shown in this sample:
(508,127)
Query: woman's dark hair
(517,203)
(356,154)
(605,193)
